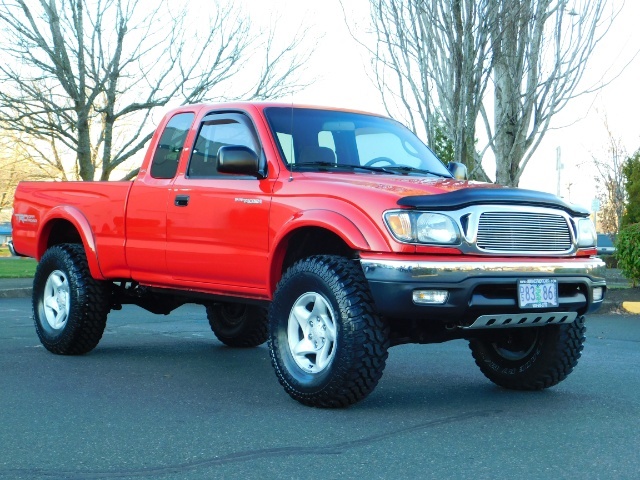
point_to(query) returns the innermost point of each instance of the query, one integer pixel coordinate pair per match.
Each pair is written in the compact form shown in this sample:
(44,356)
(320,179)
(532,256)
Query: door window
(218,131)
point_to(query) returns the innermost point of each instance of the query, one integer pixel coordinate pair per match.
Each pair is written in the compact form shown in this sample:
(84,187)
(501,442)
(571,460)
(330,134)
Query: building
(5,233)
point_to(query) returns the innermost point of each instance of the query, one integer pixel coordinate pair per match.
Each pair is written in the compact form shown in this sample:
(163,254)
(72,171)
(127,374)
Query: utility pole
(559,167)
(595,208)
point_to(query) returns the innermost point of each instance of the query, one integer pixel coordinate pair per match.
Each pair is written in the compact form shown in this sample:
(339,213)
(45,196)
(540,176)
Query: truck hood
(443,193)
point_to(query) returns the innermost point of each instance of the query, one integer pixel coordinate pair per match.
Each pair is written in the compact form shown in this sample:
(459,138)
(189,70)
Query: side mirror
(239,160)
(458,170)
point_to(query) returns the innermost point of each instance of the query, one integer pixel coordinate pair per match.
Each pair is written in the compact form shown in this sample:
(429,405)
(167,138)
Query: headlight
(422,227)
(586,233)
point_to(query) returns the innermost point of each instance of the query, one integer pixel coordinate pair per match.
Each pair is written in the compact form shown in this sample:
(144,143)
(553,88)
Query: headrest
(316,154)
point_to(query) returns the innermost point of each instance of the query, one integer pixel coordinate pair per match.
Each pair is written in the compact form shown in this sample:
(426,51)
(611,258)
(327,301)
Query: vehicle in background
(605,245)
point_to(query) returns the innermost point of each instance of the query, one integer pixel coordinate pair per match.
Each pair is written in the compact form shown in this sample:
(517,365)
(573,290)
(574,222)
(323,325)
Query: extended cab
(332,234)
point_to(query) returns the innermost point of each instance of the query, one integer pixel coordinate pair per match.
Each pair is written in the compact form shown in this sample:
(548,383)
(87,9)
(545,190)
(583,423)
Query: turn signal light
(430,297)
(597,294)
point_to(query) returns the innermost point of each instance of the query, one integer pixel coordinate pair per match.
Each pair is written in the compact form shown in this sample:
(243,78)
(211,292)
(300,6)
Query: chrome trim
(506,232)
(529,319)
(468,219)
(457,271)
(12,250)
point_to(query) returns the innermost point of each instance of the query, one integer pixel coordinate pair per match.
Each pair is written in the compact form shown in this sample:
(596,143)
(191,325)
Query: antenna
(291,147)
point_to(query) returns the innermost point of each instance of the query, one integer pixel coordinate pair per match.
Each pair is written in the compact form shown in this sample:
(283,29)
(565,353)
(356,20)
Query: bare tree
(15,167)
(85,76)
(610,182)
(450,55)
(430,61)
(540,51)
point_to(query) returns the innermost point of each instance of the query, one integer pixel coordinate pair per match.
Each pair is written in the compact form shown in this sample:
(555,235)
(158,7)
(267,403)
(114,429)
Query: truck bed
(96,208)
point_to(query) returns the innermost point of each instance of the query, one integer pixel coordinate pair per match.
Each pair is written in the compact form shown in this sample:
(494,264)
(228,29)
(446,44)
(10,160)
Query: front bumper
(478,287)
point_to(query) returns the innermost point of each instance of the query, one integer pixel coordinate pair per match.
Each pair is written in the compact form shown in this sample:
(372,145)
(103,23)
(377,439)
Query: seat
(165,162)
(202,165)
(312,154)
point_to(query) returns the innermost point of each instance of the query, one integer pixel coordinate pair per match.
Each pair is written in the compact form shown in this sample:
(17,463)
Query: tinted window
(165,160)
(310,136)
(218,131)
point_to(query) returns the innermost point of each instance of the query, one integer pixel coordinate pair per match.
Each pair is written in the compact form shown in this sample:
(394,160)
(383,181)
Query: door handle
(181,200)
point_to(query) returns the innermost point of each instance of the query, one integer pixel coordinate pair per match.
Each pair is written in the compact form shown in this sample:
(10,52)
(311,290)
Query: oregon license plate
(537,293)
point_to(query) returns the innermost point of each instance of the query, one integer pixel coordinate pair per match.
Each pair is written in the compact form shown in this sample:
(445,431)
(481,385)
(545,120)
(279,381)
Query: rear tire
(327,344)
(530,358)
(69,306)
(238,324)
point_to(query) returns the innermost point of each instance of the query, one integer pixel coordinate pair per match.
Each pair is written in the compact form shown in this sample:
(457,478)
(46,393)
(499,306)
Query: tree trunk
(86,167)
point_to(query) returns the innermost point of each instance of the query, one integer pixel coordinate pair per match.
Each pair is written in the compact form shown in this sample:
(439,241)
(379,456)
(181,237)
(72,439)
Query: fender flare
(330,220)
(81,224)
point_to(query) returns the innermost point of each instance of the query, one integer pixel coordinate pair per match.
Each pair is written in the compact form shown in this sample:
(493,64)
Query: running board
(522,320)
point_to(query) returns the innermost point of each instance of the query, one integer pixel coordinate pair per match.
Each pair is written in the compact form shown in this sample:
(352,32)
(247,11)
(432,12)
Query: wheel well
(309,241)
(62,231)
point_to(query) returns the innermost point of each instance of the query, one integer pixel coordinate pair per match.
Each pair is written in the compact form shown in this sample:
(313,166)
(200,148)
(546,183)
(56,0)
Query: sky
(338,67)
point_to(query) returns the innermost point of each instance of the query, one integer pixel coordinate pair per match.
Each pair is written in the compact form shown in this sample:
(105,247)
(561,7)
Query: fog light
(597,294)
(431,297)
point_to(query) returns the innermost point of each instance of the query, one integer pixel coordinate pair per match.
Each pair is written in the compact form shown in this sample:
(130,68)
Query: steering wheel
(379,159)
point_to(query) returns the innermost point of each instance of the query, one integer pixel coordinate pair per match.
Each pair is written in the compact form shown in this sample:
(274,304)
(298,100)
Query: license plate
(538,293)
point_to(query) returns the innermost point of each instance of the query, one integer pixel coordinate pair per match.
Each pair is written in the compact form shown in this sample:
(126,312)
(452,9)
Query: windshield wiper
(318,164)
(404,170)
(344,166)
(392,169)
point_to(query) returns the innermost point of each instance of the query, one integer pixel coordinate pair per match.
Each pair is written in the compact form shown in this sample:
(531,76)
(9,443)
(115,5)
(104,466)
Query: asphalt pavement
(161,398)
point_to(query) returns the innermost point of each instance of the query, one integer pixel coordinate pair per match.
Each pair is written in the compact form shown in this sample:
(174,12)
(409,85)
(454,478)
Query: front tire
(69,306)
(238,324)
(530,358)
(327,344)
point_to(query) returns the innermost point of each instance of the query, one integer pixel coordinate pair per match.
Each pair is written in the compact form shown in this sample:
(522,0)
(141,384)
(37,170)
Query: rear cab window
(167,154)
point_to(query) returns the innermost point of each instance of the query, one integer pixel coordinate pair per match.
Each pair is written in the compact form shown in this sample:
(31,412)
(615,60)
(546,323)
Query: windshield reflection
(313,138)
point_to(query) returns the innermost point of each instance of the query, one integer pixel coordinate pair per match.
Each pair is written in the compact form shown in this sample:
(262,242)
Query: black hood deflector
(467,197)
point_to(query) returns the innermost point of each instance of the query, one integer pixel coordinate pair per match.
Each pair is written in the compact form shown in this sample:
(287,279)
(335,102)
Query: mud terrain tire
(69,307)
(327,344)
(530,358)
(238,324)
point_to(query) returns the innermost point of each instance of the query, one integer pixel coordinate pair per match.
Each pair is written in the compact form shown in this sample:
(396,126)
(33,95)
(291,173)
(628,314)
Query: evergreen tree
(442,143)
(631,171)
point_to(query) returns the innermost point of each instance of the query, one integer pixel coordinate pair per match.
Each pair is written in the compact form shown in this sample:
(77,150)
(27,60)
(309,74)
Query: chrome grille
(523,232)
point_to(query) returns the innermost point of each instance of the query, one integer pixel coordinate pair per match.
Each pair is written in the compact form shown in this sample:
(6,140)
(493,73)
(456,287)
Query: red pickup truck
(332,234)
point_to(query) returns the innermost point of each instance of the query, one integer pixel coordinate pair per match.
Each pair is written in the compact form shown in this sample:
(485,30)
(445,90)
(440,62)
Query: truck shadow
(205,370)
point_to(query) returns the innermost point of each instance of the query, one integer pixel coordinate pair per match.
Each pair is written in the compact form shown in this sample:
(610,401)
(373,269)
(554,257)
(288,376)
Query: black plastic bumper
(478,288)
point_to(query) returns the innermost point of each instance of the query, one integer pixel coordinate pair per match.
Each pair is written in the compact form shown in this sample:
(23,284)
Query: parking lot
(160,397)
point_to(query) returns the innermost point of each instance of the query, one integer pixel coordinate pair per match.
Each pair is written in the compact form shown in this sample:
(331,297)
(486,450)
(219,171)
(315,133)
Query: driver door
(217,224)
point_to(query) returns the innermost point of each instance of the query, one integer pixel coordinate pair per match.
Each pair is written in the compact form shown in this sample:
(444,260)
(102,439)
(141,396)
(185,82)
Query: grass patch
(17,267)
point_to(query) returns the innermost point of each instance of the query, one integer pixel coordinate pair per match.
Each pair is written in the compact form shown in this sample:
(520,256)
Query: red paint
(234,234)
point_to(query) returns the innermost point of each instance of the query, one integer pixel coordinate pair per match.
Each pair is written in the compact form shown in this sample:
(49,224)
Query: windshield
(310,138)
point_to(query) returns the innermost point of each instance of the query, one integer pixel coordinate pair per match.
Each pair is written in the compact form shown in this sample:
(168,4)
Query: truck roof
(261,105)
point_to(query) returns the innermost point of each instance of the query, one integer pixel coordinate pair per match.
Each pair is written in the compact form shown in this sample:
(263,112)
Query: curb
(631,307)
(15,293)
